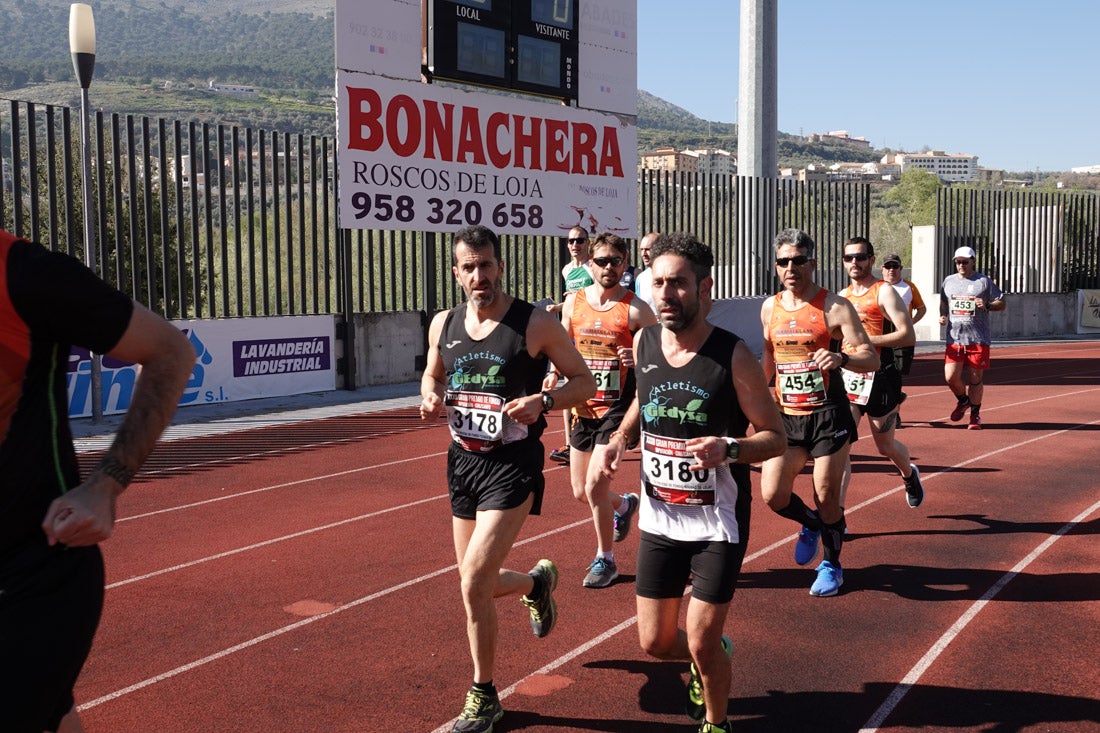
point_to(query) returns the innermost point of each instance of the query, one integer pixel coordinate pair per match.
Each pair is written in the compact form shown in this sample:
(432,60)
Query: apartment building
(950,167)
(714,160)
(668,159)
(839,136)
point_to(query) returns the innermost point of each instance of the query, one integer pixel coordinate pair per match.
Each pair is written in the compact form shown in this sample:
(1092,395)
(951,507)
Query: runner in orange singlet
(601,319)
(878,394)
(800,325)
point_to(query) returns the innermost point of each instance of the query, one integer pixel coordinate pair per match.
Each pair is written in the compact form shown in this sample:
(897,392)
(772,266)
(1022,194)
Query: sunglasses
(891,266)
(605,261)
(962,262)
(578,240)
(861,257)
(798,261)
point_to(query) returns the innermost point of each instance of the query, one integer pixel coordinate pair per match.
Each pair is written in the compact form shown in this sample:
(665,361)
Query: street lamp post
(82,48)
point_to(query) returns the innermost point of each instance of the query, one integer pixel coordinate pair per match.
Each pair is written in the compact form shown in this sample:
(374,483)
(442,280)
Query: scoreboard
(522,45)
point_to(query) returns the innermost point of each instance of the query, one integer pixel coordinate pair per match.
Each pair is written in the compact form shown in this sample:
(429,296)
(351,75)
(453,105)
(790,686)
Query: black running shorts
(665,565)
(502,479)
(50,603)
(585,433)
(823,432)
(885,393)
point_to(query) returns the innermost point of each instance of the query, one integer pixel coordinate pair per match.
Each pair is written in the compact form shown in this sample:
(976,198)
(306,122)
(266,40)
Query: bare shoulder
(766,308)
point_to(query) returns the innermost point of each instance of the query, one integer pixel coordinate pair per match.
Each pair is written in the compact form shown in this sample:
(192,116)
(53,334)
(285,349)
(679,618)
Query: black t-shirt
(49,302)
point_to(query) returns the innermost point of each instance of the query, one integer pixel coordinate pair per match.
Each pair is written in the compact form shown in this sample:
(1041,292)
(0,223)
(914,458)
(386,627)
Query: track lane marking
(913,676)
(299,624)
(595,640)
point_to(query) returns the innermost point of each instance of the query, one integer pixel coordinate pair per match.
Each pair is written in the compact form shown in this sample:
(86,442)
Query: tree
(915,195)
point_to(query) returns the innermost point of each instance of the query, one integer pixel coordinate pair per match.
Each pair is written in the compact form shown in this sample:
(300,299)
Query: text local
(440,131)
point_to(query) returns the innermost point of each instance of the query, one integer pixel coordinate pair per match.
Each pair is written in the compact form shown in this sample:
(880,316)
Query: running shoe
(544,611)
(975,423)
(560,455)
(959,411)
(696,707)
(708,727)
(601,573)
(481,711)
(805,549)
(914,492)
(829,579)
(622,521)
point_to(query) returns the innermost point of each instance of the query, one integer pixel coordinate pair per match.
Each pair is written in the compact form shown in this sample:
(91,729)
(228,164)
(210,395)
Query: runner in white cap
(966,298)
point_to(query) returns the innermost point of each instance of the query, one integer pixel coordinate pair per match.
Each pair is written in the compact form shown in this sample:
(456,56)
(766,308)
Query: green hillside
(156,58)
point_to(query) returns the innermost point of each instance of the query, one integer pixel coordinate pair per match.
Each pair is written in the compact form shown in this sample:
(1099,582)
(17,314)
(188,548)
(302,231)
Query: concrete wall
(742,316)
(1035,314)
(389,347)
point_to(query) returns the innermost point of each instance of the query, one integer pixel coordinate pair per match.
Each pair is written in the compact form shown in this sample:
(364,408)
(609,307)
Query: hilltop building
(714,160)
(241,90)
(704,160)
(950,167)
(839,136)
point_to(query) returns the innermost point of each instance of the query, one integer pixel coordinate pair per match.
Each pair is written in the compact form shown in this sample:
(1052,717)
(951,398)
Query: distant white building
(1089,170)
(243,90)
(839,136)
(714,160)
(950,167)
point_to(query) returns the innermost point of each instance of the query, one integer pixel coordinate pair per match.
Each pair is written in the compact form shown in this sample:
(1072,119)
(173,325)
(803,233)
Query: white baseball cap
(967,252)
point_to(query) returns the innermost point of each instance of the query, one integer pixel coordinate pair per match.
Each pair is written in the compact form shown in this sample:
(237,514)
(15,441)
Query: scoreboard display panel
(522,45)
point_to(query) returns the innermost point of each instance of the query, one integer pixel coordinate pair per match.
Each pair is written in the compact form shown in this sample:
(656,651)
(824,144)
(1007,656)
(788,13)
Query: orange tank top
(870,314)
(800,385)
(598,335)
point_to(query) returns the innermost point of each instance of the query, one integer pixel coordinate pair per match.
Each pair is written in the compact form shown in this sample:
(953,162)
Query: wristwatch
(844,359)
(733,449)
(547,402)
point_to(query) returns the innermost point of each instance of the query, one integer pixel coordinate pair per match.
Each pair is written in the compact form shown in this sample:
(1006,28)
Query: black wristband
(844,359)
(113,468)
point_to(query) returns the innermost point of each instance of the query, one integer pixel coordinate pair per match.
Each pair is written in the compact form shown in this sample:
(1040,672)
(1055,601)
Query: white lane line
(929,658)
(435,455)
(560,660)
(272,541)
(590,644)
(272,487)
(299,624)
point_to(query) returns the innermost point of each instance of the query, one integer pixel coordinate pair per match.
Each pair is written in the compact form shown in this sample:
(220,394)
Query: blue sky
(1015,83)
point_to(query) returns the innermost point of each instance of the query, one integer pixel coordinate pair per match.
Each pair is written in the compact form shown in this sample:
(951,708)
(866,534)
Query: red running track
(302,578)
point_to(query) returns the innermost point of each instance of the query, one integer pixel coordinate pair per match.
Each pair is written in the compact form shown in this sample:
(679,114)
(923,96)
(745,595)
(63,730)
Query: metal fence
(201,220)
(738,218)
(1028,242)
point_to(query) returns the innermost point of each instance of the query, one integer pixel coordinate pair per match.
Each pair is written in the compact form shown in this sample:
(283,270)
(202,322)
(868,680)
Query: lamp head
(82,42)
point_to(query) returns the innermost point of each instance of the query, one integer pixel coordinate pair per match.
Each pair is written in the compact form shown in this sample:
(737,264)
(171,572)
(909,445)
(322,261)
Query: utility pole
(757,133)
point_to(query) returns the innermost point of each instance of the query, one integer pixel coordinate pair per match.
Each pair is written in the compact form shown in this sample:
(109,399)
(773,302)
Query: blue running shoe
(829,579)
(805,549)
(601,573)
(622,521)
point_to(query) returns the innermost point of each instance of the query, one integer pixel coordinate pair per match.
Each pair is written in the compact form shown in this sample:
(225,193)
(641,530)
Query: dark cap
(891,257)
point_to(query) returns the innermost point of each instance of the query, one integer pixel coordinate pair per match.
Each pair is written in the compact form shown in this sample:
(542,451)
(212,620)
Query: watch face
(733,451)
